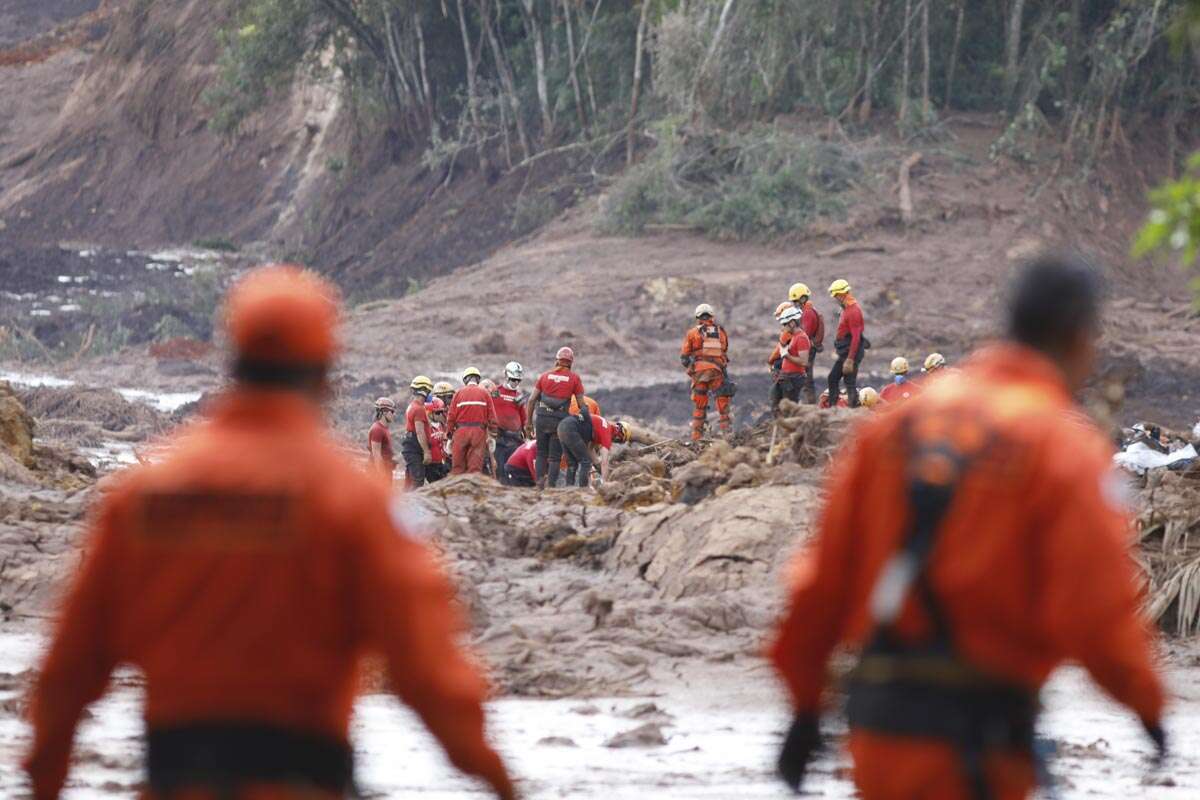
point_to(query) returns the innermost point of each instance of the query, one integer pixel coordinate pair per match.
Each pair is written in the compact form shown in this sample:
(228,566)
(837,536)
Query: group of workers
(496,429)
(970,542)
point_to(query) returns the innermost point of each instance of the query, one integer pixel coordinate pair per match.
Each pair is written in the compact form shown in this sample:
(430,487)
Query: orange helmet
(284,315)
(565,354)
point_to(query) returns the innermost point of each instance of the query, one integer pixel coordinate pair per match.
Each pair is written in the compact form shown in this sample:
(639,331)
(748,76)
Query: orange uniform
(705,354)
(1031,566)
(246,576)
(472,415)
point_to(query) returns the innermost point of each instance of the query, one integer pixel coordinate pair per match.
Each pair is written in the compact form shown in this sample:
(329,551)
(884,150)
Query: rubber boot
(697,428)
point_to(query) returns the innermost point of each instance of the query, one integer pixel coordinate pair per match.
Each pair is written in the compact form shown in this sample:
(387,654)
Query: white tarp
(1139,457)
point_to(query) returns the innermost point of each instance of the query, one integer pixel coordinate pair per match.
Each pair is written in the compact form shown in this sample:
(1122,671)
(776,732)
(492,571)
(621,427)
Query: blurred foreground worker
(438,468)
(813,325)
(521,467)
(551,397)
(415,446)
(705,356)
(850,343)
(901,388)
(510,416)
(246,576)
(472,416)
(382,459)
(588,440)
(971,543)
(793,374)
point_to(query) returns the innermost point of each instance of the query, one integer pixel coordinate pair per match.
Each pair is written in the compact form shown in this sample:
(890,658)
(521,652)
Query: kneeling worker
(521,467)
(246,576)
(972,542)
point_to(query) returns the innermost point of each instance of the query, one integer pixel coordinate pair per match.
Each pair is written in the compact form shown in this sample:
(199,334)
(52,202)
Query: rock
(16,426)
(648,735)
(557,741)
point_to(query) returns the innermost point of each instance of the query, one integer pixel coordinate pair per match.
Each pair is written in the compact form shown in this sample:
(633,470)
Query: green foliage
(221,244)
(1174,223)
(260,53)
(760,184)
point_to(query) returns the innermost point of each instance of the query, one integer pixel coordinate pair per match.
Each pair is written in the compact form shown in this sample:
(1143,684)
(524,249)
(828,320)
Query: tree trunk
(539,61)
(472,88)
(906,56)
(426,89)
(506,80)
(574,62)
(871,25)
(1074,40)
(953,65)
(925,107)
(713,46)
(635,90)
(1012,51)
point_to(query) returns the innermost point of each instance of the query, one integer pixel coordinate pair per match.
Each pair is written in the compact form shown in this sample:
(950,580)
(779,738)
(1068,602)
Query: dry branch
(852,247)
(906,204)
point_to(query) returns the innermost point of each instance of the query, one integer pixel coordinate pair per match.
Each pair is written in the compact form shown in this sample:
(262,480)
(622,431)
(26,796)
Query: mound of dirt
(16,427)
(80,414)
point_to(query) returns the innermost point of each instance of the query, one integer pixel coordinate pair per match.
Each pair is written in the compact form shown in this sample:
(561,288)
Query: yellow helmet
(899,365)
(443,387)
(423,383)
(839,287)
(797,291)
(934,361)
(868,397)
(471,372)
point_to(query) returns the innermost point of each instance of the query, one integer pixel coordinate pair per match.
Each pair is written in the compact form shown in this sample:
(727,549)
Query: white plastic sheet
(1139,457)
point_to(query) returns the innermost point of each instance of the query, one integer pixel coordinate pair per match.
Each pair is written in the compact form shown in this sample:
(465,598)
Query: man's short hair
(1055,298)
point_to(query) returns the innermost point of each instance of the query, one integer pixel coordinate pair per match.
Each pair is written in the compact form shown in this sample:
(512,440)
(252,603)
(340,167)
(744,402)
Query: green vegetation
(760,184)
(221,244)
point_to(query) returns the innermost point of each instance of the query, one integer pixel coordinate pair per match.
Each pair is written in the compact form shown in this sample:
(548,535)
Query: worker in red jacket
(851,345)
(439,467)
(381,458)
(247,576)
(795,356)
(415,445)
(551,397)
(521,467)
(972,541)
(586,440)
(813,326)
(472,418)
(510,415)
(901,388)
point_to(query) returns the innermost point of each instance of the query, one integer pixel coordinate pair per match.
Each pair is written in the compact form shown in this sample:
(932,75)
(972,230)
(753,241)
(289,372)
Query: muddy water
(721,729)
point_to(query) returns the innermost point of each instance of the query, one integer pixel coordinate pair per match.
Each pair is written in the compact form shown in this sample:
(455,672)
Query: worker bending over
(972,541)
(705,356)
(521,467)
(586,439)
(246,576)
(551,397)
(471,417)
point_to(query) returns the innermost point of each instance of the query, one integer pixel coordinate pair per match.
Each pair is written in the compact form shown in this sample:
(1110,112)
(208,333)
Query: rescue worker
(489,461)
(438,468)
(934,362)
(705,356)
(444,391)
(796,356)
(851,345)
(813,325)
(868,397)
(551,397)
(246,576)
(586,439)
(842,402)
(521,467)
(901,388)
(593,406)
(971,543)
(382,459)
(510,416)
(775,360)
(472,416)
(415,445)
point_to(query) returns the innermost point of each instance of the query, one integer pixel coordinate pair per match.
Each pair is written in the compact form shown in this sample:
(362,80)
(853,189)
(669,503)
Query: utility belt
(225,755)
(468,425)
(842,347)
(553,408)
(509,436)
(941,698)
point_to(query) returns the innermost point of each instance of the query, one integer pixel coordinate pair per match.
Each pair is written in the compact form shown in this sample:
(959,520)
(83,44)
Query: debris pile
(84,416)
(1169,530)
(16,428)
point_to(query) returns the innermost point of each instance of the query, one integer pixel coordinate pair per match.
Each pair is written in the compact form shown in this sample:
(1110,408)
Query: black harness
(927,689)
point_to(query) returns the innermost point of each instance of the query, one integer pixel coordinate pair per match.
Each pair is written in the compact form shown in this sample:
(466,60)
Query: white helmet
(514,371)
(790,315)
(704,308)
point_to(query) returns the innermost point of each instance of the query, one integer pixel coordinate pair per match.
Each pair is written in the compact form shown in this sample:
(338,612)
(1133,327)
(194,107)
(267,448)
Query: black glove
(802,740)
(1157,735)
(686,361)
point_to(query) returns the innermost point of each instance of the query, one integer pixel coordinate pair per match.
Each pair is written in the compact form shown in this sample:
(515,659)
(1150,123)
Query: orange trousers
(895,768)
(469,450)
(701,389)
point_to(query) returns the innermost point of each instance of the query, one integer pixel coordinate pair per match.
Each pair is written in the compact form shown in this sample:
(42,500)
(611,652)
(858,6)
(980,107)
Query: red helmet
(565,354)
(435,406)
